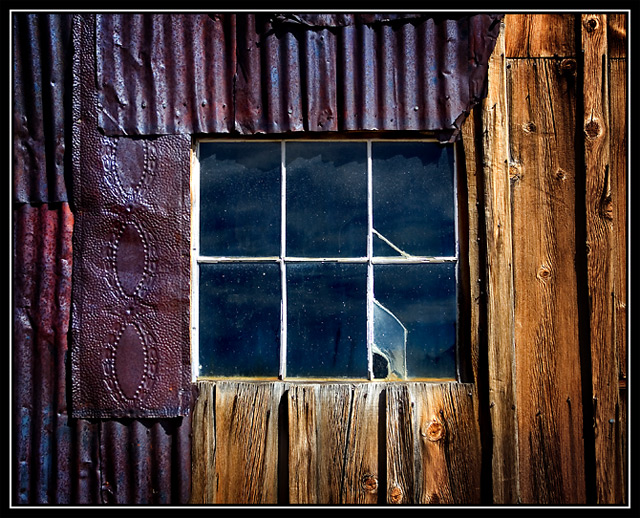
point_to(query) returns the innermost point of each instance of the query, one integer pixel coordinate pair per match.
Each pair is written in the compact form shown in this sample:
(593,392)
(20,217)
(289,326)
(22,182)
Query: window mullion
(369,262)
(283,266)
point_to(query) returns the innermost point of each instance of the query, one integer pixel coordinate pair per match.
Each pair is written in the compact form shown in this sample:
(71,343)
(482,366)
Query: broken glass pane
(240,319)
(413,199)
(327,320)
(421,300)
(240,199)
(326,199)
(389,344)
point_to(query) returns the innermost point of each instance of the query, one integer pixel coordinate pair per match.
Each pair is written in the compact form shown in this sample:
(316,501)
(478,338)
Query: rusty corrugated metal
(283,73)
(165,73)
(41,91)
(57,459)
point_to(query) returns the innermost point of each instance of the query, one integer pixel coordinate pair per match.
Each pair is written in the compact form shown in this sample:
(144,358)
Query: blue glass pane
(240,199)
(421,300)
(240,319)
(327,320)
(413,199)
(326,199)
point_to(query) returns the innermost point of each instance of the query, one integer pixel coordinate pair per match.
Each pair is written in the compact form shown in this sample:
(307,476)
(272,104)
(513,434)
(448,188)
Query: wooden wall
(543,417)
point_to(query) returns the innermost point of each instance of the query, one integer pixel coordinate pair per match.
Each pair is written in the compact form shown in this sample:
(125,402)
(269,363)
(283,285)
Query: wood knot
(568,65)
(395,495)
(591,24)
(544,273)
(529,127)
(514,172)
(435,431)
(592,129)
(433,498)
(370,483)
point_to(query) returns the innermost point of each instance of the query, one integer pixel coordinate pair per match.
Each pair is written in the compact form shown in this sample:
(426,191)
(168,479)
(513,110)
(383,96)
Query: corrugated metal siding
(41,94)
(165,74)
(57,459)
(270,74)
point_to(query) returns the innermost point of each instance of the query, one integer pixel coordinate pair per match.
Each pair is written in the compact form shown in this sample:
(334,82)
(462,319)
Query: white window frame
(283,259)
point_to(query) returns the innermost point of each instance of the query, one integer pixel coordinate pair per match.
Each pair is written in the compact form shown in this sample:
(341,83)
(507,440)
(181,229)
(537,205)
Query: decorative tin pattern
(130,348)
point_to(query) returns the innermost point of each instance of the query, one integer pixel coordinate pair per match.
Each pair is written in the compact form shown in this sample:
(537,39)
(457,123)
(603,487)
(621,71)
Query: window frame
(196,259)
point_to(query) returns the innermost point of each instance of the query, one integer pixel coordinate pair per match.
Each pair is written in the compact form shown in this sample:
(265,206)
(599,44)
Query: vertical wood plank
(203,445)
(618,159)
(246,442)
(619,195)
(361,473)
(500,317)
(303,445)
(433,444)
(542,107)
(448,457)
(333,443)
(539,35)
(400,445)
(473,179)
(599,220)
(333,407)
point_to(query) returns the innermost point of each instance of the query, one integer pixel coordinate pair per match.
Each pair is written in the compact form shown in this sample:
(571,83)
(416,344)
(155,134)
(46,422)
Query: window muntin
(325,259)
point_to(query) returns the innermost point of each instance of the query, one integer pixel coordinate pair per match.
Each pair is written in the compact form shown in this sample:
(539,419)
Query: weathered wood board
(499,282)
(542,106)
(344,443)
(601,221)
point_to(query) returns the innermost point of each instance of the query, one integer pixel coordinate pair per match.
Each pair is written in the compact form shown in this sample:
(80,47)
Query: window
(325,259)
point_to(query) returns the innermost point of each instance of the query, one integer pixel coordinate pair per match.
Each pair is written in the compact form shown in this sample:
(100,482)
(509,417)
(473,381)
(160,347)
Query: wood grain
(333,443)
(433,444)
(499,265)
(473,183)
(542,107)
(203,446)
(540,35)
(600,269)
(619,195)
(246,442)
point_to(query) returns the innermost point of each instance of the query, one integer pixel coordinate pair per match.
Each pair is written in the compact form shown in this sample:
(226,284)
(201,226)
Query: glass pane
(240,199)
(326,199)
(413,199)
(416,311)
(240,319)
(327,320)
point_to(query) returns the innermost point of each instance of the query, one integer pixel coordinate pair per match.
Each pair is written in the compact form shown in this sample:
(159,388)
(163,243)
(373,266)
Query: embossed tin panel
(130,350)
